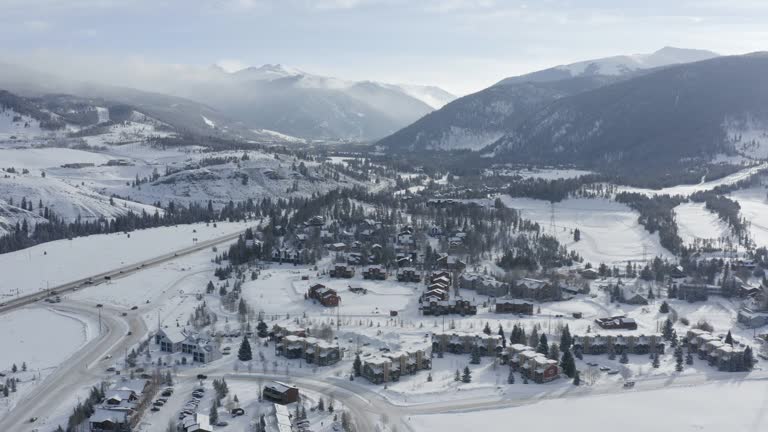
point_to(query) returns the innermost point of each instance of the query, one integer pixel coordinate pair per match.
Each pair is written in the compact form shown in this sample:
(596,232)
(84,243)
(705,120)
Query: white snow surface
(704,185)
(40,346)
(674,409)
(54,263)
(754,207)
(610,232)
(694,222)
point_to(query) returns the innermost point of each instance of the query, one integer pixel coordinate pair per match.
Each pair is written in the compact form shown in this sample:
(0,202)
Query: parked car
(201,377)
(134,307)
(629,384)
(237,412)
(155,408)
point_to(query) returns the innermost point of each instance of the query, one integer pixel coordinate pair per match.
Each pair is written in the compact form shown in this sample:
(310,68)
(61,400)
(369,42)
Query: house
(375,272)
(534,289)
(283,418)
(326,296)
(452,263)
(196,423)
(435,231)
(596,344)
(342,271)
(316,221)
(677,272)
(751,319)
(109,420)
(279,331)
(589,273)
(617,322)
(438,293)
(337,247)
(408,274)
(484,285)
(170,339)
(514,306)
(281,393)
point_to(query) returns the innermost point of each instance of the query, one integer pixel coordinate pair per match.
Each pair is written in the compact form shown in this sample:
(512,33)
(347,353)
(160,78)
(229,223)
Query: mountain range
(267,103)
(478,120)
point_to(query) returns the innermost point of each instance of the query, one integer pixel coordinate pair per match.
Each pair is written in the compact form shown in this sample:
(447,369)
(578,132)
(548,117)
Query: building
(170,339)
(279,331)
(534,289)
(408,274)
(596,344)
(342,271)
(531,364)
(457,342)
(375,272)
(751,319)
(514,306)
(451,262)
(122,402)
(326,296)
(391,366)
(281,393)
(283,418)
(725,357)
(483,285)
(196,423)
(697,292)
(310,349)
(434,305)
(617,323)
(202,349)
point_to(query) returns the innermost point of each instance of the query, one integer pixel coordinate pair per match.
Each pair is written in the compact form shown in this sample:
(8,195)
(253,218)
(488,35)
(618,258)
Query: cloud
(231,65)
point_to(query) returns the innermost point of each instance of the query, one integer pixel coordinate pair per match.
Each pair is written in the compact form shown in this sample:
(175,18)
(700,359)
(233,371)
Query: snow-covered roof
(101,415)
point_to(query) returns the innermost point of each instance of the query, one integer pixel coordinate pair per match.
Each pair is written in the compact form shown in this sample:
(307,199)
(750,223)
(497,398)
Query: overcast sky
(460,45)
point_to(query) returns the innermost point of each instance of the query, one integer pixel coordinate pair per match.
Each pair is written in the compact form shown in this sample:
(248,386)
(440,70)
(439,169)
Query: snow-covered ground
(610,232)
(541,173)
(40,346)
(695,222)
(62,261)
(732,405)
(50,157)
(754,207)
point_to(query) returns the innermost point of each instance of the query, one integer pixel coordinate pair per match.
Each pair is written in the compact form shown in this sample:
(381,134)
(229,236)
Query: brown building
(326,296)
(281,393)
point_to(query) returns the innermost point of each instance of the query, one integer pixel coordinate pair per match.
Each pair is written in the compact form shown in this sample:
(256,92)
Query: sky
(460,45)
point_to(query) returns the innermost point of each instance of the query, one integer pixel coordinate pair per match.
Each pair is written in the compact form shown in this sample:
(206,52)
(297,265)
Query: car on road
(155,408)
(129,333)
(236,412)
(167,392)
(99,305)
(134,307)
(613,372)
(108,356)
(222,423)
(32,419)
(604,368)
(629,384)
(201,377)
(124,314)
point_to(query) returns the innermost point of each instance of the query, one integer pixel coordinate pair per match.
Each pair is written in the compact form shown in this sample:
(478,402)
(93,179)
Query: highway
(114,273)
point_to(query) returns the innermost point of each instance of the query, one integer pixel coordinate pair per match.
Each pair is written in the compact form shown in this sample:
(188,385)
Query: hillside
(683,113)
(479,119)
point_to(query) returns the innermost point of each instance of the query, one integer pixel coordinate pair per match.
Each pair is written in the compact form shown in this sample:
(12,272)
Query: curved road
(85,366)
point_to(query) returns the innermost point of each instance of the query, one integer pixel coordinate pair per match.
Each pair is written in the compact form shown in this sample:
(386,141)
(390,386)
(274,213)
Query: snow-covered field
(62,261)
(695,222)
(40,346)
(542,173)
(610,232)
(50,157)
(725,406)
(754,207)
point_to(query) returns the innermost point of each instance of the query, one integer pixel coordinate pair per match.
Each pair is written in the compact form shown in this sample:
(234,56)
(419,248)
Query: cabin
(697,292)
(103,420)
(170,339)
(312,350)
(196,423)
(452,263)
(280,393)
(202,349)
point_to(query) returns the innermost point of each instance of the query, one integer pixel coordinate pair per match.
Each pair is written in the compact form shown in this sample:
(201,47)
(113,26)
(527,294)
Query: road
(85,366)
(114,273)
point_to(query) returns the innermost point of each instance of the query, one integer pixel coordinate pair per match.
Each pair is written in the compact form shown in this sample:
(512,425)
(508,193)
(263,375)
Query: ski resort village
(268,250)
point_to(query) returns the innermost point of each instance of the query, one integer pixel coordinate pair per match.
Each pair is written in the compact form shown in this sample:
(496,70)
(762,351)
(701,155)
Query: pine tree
(543,347)
(624,359)
(213,414)
(262,329)
(567,364)
(749,360)
(487,329)
(554,352)
(475,356)
(457,377)
(503,337)
(729,338)
(664,308)
(14,368)
(565,339)
(667,330)
(656,363)
(689,358)
(466,377)
(24,364)
(357,365)
(576,378)
(245,354)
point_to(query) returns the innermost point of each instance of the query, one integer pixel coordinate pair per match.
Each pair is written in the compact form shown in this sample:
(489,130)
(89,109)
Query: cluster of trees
(534,252)
(656,214)
(83,410)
